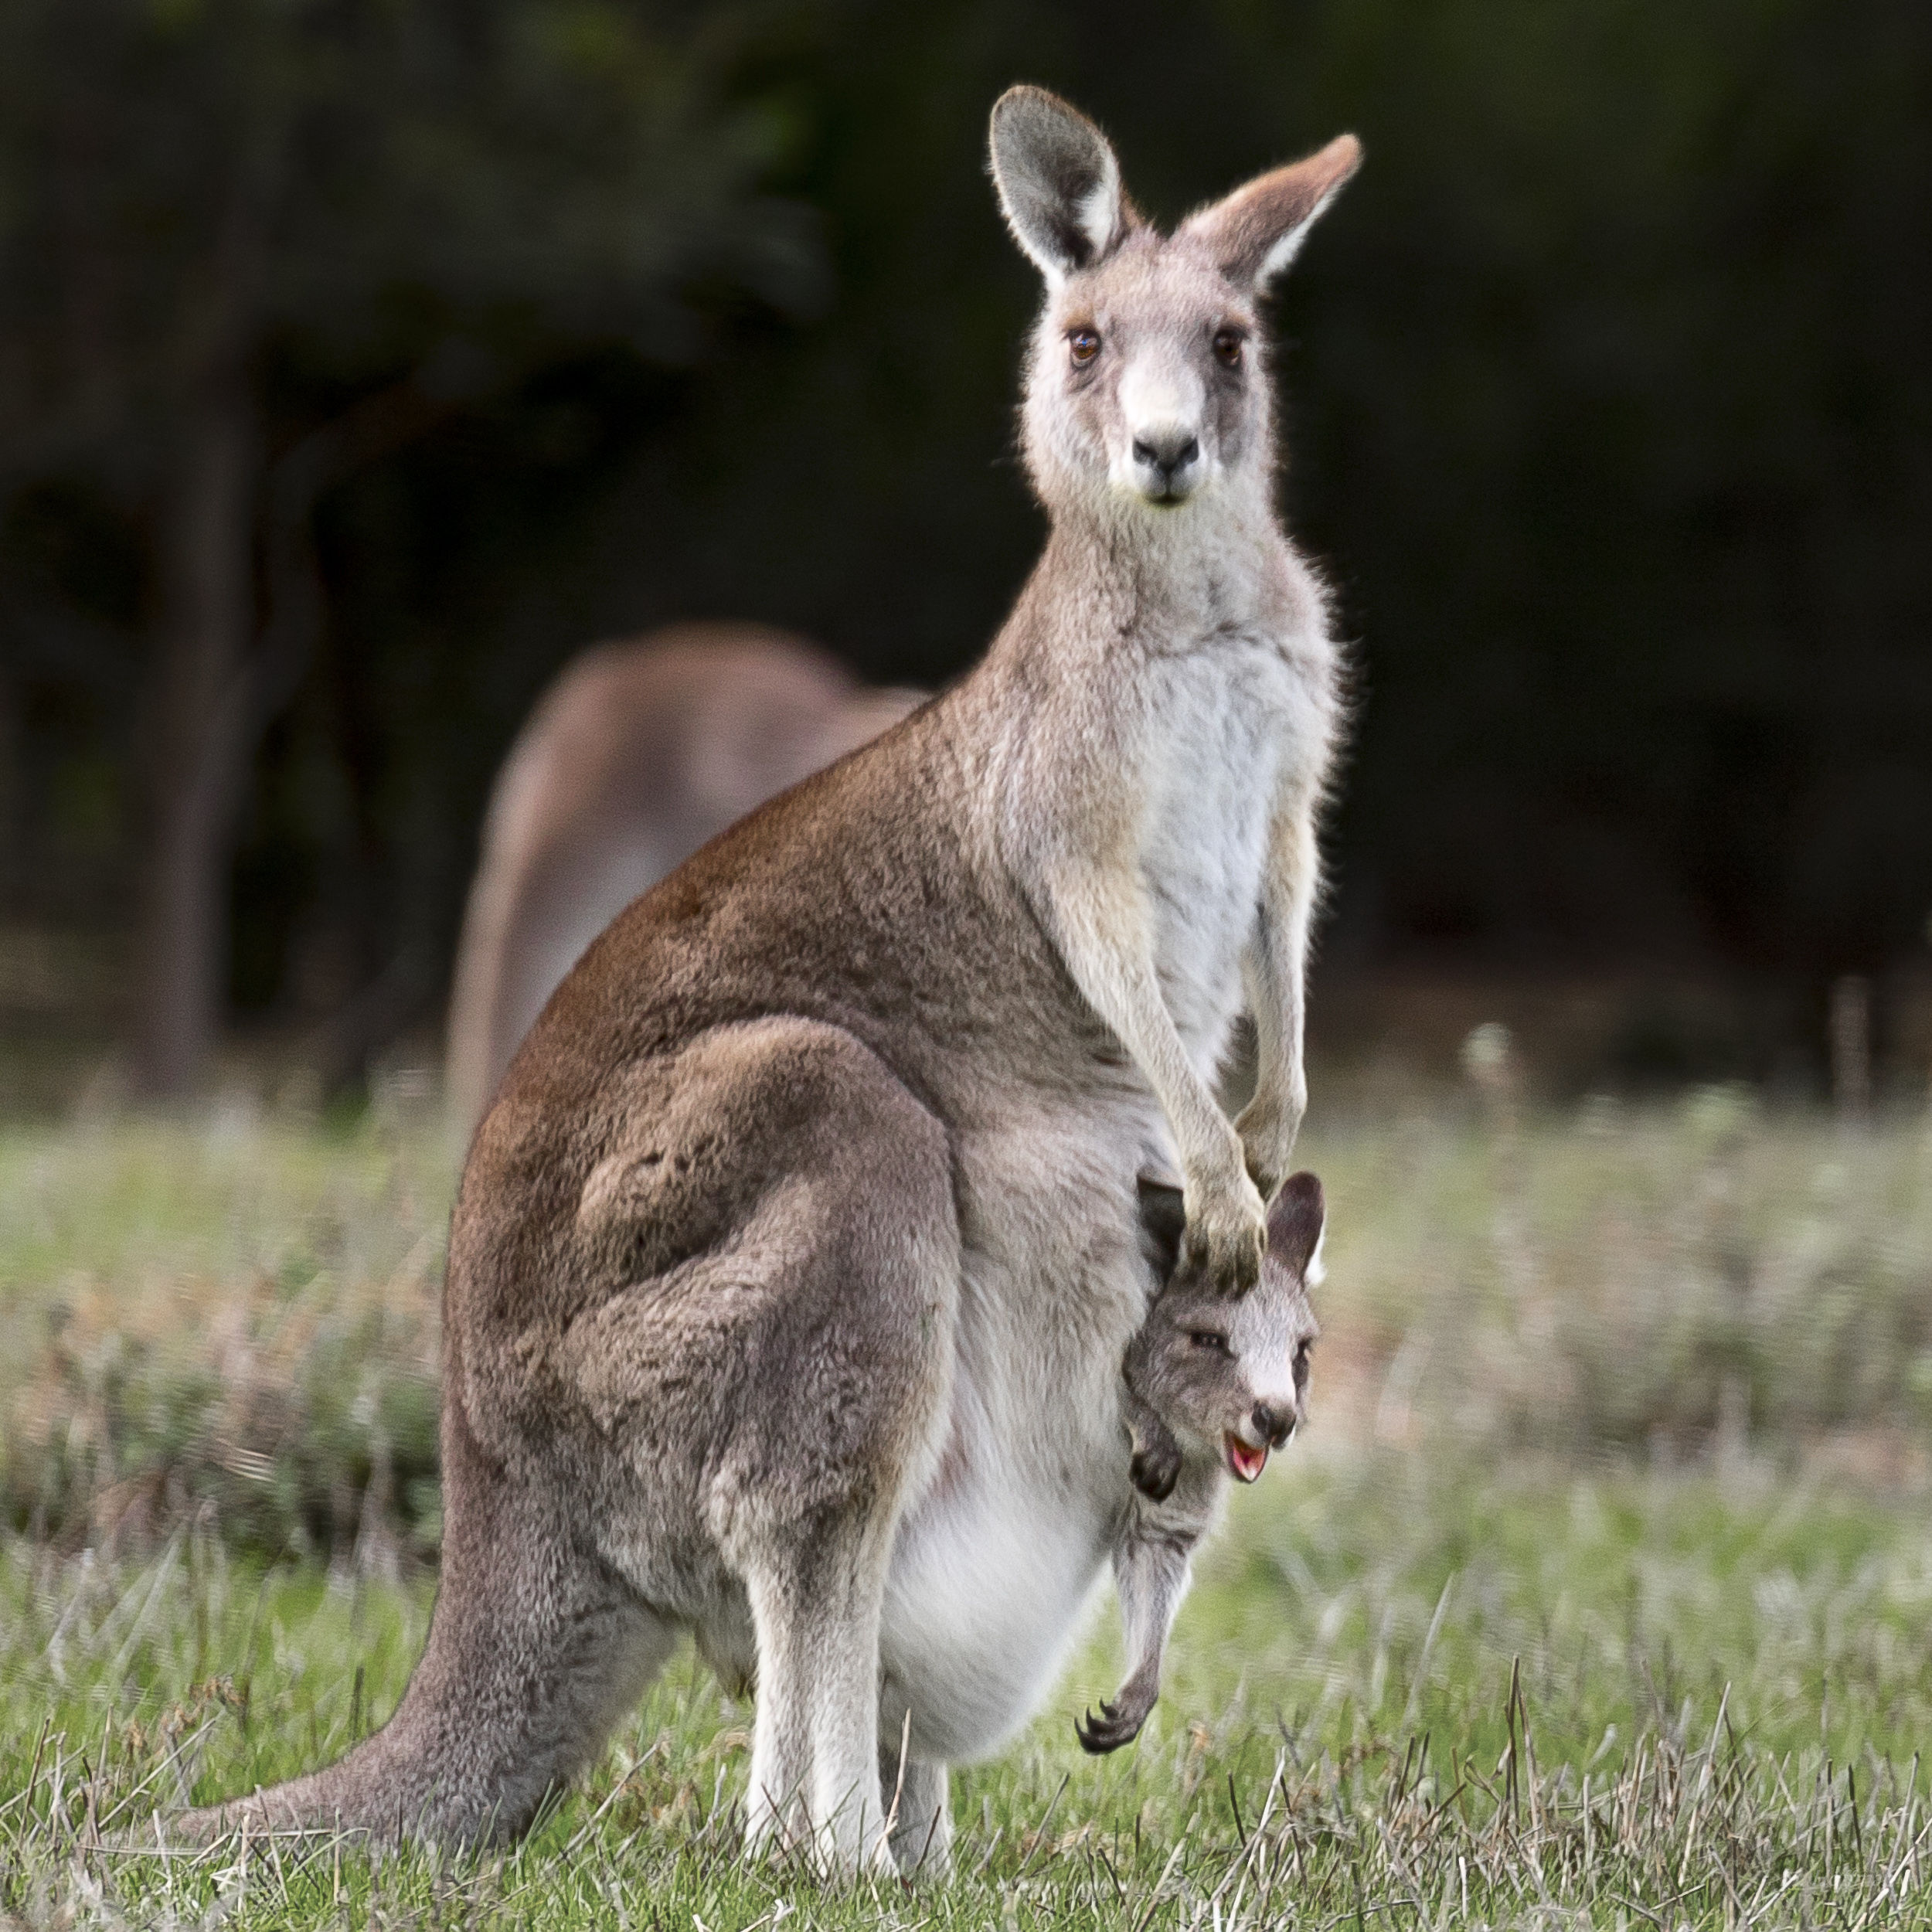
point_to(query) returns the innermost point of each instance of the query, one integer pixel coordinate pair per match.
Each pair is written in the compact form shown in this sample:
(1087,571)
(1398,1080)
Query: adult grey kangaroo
(791,1270)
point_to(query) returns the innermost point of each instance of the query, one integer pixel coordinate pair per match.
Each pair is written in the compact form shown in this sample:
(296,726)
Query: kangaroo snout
(1172,454)
(1161,421)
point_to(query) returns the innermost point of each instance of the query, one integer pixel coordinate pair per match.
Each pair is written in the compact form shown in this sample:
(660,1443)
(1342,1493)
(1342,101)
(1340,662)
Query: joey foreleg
(1121,1719)
(1150,1574)
(1156,1454)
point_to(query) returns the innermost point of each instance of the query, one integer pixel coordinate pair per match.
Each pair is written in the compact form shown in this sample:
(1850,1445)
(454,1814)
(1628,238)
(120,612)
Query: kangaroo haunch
(791,1271)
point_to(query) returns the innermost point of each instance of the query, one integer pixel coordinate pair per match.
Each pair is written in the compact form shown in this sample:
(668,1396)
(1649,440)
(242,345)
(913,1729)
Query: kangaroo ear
(1257,231)
(1059,186)
(1296,1222)
(1164,1220)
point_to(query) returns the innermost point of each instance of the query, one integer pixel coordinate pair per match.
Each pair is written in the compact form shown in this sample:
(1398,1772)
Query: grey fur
(793,1266)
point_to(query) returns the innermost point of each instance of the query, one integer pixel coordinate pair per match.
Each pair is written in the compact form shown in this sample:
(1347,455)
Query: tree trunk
(198,730)
(13,817)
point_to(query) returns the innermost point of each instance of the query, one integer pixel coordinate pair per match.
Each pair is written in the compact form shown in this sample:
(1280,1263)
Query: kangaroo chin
(792,1269)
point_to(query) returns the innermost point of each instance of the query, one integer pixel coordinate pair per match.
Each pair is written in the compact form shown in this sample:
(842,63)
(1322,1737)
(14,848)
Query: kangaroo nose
(1272,1424)
(1167,450)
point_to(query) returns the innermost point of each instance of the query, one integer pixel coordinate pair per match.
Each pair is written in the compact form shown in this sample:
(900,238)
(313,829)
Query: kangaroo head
(1147,384)
(1230,1379)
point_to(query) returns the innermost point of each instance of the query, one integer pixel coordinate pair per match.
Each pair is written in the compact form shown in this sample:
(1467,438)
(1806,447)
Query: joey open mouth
(1247,1464)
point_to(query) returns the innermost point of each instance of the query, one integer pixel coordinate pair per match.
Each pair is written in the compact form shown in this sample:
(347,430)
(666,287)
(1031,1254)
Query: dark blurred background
(360,360)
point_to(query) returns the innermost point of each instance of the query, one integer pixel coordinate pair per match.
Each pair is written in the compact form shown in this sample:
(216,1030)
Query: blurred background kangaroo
(640,751)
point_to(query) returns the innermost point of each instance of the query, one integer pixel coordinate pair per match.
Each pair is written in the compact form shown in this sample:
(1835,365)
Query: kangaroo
(638,753)
(792,1269)
(1211,1386)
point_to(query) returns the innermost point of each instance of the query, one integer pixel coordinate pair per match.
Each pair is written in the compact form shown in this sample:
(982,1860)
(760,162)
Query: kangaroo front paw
(1227,1232)
(1267,1129)
(1118,1724)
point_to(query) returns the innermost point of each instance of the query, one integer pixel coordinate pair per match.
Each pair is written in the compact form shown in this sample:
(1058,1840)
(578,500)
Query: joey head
(1211,1387)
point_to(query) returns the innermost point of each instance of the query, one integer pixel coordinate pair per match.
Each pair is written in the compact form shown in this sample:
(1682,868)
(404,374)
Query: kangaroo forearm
(1104,942)
(1277,955)
(1275,970)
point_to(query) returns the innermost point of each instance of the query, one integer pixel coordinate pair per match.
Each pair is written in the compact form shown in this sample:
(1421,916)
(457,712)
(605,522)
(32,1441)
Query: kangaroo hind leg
(842,1380)
(814,1771)
(919,1810)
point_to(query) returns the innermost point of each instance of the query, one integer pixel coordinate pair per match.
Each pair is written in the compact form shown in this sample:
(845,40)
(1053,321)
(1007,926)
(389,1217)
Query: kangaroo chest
(1230,726)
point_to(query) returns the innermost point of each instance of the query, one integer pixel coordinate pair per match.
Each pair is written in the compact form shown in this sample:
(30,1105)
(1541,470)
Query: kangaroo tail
(536,1650)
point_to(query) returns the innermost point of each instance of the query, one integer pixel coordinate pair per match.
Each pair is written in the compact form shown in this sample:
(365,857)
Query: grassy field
(1600,1592)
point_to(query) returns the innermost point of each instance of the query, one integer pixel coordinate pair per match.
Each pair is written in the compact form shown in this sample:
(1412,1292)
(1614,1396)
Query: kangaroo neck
(1163,580)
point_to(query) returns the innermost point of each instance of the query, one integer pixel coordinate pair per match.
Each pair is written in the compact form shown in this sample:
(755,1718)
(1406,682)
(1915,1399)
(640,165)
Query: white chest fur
(1231,720)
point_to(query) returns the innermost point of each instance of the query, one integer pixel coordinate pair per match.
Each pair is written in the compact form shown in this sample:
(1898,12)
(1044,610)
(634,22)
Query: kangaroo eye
(1083,346)
(1210,1338)
(1228,344)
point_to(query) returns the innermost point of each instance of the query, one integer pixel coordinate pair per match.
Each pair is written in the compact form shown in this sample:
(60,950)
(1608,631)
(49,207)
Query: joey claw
(1108,1732)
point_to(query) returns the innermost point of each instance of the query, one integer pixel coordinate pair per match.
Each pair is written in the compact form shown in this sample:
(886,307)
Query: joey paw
(1156,1469)
(1115,1726)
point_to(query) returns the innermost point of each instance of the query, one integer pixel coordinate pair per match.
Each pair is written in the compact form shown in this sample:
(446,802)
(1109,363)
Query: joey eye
(1210,1338)
(1228,345)
(1082,345)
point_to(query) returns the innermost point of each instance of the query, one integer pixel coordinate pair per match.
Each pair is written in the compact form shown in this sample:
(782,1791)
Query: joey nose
(1274,1426)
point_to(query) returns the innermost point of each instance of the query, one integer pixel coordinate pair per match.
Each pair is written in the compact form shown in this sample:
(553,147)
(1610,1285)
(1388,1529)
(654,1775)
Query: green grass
(1601,1593)
(1607,1696)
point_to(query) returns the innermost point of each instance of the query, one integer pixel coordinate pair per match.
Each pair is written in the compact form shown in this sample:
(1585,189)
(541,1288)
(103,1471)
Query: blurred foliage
(246,249)
(240,1316)
(1409,1690)
(239,1322)
(1608,407)
(1703,1276)
(481,182)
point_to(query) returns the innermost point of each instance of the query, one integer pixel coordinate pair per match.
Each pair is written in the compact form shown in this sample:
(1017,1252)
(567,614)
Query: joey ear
(1257,231)
(1296,1222)
(1164,1220)
(1059,186)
